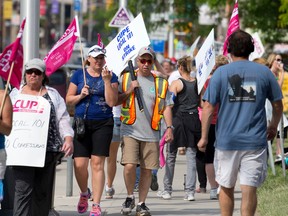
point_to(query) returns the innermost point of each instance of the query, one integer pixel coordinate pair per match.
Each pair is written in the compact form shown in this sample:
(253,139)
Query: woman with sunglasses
(34,185)
(277,67)
(93,92)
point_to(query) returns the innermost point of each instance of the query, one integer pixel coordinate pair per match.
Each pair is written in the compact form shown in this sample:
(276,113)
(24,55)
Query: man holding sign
(141,129)
(241,88)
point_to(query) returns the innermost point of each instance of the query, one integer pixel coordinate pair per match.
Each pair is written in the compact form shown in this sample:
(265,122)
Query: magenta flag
(62,50)
(99,42)
(161,155)
(13,53)
(233,26)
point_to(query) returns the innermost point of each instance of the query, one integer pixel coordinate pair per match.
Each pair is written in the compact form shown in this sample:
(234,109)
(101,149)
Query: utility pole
(31,9)
(171,31)
(92,6)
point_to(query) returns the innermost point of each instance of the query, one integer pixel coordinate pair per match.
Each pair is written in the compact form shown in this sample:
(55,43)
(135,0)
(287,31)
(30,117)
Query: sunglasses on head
(278,60)
(144,61)
(36,72)
(98,50)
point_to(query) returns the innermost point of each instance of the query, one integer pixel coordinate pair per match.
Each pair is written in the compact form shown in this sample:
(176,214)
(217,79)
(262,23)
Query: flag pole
(81,51)
(6,89)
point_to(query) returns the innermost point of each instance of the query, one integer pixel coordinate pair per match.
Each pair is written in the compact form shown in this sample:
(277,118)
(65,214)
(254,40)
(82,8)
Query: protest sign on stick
(126,45)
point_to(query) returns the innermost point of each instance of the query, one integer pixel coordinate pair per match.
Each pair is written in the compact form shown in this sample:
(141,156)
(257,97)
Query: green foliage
(185,14)
(273,194)
(102,18)
(262,16)
(283,17)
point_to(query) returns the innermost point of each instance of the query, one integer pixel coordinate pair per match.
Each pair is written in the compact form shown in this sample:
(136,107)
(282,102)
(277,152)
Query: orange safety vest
(128,110)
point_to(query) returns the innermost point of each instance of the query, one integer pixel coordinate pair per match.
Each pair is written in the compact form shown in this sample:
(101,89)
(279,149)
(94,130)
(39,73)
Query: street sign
(121,18)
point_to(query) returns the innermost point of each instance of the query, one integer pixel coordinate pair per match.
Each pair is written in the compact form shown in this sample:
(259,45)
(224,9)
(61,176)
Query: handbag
(79,123)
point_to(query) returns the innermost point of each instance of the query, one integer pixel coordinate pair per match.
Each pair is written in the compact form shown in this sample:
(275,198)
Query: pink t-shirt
(215,113)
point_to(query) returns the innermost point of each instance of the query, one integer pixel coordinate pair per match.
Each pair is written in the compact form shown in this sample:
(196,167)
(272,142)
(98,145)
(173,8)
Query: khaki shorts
(250,164)
(3,157)
(139,152)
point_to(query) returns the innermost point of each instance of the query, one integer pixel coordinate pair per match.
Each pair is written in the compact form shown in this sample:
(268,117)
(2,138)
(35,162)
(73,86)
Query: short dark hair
(240,44)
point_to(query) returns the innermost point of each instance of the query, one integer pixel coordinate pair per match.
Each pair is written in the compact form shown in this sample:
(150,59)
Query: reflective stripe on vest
(128,112)
(128,117)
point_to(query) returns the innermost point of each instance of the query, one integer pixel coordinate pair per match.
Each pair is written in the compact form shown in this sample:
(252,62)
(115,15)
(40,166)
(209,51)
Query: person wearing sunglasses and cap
(275,63)
(34,185)
(93,92)
(141,128)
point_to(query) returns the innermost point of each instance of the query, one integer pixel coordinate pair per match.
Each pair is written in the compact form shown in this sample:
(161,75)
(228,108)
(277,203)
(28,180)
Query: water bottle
(1,190)
(286,161)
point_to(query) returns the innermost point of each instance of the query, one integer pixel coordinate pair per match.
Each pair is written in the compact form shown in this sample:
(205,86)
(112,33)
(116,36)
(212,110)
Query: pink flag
(233,26)
(161,155)
(100,43)
(62,50)
(13,53)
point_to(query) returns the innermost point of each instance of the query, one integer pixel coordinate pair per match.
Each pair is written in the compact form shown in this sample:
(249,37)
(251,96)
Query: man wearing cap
(141,129)
(34,185)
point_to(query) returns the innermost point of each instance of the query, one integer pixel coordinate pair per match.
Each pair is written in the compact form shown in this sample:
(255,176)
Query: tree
(270,18)
(184,17)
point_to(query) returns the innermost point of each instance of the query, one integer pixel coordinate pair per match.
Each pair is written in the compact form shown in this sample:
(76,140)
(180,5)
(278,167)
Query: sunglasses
(144,61)
(278,60)
(98,50)
(36,72)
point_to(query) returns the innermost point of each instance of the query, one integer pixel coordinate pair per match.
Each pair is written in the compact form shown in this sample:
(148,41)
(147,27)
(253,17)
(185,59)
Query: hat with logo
(36,63)
(146,50)
(96,50)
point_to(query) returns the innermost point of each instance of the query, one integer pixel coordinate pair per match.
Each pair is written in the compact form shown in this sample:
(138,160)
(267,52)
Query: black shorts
(187,130)
(210,149)
(97,139)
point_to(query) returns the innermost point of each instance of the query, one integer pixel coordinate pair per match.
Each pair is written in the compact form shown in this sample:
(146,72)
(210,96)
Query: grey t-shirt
(141,129)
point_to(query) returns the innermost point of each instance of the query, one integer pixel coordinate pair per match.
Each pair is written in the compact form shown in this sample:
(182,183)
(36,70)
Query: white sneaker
(213,194)
(164,194)
(189,196)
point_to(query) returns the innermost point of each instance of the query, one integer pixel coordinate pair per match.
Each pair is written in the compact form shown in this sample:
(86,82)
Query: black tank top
(187,99)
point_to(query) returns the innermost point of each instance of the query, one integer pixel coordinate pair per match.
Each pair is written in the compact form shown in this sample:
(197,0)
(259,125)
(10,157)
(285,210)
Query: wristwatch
(171,126)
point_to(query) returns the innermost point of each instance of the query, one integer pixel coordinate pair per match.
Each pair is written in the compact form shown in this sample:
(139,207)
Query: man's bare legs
(226,201)
(249,200)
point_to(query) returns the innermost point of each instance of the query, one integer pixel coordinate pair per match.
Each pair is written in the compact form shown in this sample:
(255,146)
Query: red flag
(233,26)
(62,50)
(13,53)
(100,43)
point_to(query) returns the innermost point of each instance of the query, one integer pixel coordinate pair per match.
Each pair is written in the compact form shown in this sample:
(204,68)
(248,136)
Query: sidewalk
(203,206)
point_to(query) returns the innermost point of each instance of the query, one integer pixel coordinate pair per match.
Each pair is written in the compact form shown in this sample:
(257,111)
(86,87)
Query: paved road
(203,206)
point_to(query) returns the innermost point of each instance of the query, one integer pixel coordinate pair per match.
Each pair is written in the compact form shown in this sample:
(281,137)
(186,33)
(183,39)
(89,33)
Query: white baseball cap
(96,50)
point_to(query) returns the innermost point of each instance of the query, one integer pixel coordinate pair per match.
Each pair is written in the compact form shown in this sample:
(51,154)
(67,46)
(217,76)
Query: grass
(273,194)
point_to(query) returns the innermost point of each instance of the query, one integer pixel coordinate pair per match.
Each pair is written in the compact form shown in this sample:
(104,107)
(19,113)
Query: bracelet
(171,126)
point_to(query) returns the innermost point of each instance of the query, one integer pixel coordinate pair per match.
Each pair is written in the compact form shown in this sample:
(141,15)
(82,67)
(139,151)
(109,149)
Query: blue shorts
(116,130)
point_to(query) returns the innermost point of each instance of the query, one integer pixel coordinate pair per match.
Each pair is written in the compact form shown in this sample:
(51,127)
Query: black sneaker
(127,206)
(154,183)
(142,210)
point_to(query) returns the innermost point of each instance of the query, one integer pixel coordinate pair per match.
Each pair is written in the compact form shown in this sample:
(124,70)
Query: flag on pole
(233,26)
(100,42)
(62,50)
(13,53)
